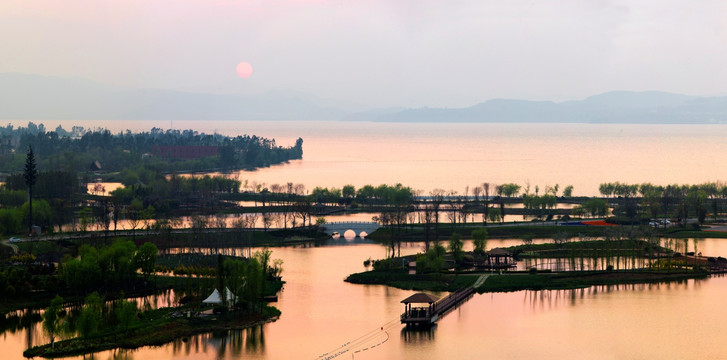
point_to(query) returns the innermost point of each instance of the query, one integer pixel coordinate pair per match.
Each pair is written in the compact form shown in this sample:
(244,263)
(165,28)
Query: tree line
(113,267)
(646,200)
(78,149)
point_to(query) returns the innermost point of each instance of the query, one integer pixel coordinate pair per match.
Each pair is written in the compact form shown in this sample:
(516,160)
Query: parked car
(14,240)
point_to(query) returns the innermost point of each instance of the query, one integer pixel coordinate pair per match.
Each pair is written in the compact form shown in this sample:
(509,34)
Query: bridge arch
(357,228)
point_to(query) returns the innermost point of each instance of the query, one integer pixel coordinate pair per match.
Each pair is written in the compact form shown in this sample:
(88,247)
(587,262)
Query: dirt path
(13,246)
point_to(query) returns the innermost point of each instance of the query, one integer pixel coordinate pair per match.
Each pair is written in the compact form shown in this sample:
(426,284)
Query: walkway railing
(351,222)
(452,300)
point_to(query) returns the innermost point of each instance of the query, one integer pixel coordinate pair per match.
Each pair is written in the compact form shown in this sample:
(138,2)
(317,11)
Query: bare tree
(303,208)
(486,211)
(299,189)
(437,199)
(428,211)
(268,219)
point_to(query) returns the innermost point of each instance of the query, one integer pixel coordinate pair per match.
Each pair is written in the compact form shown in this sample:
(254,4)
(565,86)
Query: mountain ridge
(39,97)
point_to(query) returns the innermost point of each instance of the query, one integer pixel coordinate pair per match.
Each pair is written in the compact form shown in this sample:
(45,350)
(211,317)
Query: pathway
(480,281)
(13,246)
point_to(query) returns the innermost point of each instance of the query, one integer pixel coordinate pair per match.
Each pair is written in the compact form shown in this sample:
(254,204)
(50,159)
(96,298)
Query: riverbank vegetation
(559,281)
(99,324)
(567,262)
(186,232)
(175,150)
(517,281)
(132,329)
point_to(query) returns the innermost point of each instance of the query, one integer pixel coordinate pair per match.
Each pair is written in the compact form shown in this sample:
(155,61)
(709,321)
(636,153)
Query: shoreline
(518,281)
(163,331)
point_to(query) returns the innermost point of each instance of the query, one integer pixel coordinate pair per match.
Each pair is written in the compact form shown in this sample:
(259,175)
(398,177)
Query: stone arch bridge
(356,226)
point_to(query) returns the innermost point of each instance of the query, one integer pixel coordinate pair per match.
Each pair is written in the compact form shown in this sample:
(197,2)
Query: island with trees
(106,320)
(82,255)
(82,149)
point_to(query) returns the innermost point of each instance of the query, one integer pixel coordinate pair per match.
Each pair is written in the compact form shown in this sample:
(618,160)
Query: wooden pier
(434,309)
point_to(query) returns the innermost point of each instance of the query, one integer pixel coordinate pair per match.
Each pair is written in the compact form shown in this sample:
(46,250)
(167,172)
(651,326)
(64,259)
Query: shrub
(384,264)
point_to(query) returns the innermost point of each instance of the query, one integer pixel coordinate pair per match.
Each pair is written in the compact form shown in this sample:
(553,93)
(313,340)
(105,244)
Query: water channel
(321,312)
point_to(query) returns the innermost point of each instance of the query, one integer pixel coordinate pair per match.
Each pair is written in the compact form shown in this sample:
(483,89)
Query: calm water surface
(453,156)
(321,313)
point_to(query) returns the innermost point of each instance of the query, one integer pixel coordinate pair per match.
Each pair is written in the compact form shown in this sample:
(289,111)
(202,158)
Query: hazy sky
(377,53)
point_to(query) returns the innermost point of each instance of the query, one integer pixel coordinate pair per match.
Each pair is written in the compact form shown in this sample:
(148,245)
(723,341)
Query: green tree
(125,312)
(85,218)
(11,221)
(596,207)
(236,271)
(432,260)
(145,258)
(31,176)
(263,258)
(494,214)
(147,215)
(42,212)
(568,191)
(134,214)
(90,319)
(52,319)
(508,189)
(320,221)
(255,285)
(62,213)
(480,240)
(348,191)
(455,247)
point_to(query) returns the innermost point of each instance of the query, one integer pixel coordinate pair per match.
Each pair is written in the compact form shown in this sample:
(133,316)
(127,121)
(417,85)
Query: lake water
(320,313)
(454,156)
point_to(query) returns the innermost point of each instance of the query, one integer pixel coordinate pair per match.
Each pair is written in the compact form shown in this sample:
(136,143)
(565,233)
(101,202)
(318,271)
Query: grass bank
(156,327)
(515,281)
(401,279)
(521,230)
(416,233)
(581,279)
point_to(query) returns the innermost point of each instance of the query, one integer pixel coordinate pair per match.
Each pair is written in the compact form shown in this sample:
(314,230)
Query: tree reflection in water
(413,335)
(544,300)
(18,320)
(120,354)
(224,343)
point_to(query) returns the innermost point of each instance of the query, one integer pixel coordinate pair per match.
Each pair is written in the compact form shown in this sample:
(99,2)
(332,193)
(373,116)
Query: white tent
(215,297)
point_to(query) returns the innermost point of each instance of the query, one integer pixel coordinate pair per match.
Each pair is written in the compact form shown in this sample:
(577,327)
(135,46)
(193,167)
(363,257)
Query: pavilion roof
(420,298)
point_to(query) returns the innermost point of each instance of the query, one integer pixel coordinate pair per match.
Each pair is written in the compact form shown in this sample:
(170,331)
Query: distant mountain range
(648,107)
(33,97)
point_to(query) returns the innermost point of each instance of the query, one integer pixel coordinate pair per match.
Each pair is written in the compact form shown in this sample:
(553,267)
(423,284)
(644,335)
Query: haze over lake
(453,156)
(430,94)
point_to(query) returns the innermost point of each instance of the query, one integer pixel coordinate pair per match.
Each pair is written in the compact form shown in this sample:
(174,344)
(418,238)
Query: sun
(244,69)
